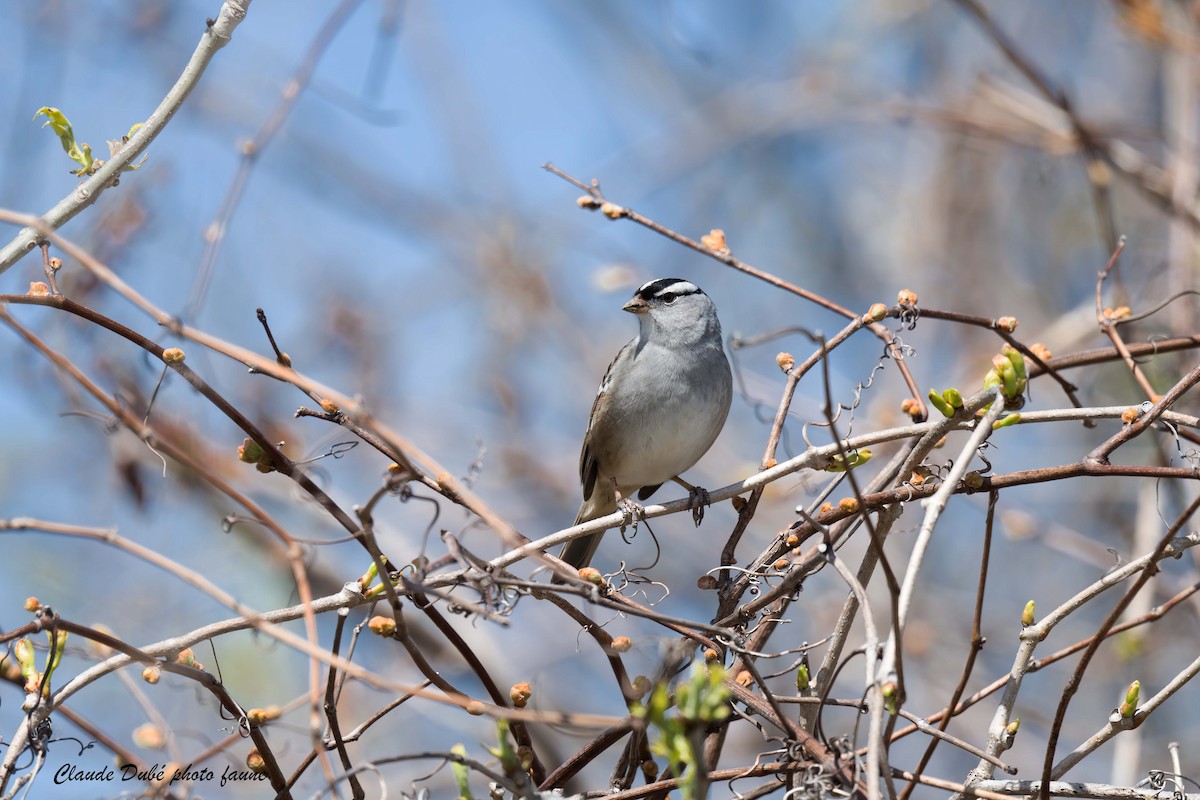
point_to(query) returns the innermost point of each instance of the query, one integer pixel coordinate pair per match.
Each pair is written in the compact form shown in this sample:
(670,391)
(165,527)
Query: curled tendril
(1158,779)
(475,469)
(758,759)
(754,578)
(334,451)
(626,577)
(813,781)
(1151,340)
(897,350)
(405,494)
(859,390)
(987,465)
(761,621)
(1189,456)
(795,663)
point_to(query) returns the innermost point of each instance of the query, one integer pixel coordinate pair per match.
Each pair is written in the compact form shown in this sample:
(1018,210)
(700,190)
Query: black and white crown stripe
(654,290)
(665,286)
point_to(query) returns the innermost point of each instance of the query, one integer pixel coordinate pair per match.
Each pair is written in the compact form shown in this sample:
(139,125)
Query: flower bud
(592,575)
(1005,421)
(149,736)
(715,240)
(875,313)
(939,402)
(382,626)
(891,696)
(612,210)
(1129,707)
(26,656)
(250,451)
(187,658)
(1010,733)
(520,693)
(256,763)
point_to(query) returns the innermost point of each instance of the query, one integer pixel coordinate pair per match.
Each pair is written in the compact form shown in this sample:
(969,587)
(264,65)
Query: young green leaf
(80,154)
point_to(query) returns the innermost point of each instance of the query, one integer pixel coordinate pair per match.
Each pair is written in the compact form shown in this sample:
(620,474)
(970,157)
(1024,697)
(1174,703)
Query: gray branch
(214,38)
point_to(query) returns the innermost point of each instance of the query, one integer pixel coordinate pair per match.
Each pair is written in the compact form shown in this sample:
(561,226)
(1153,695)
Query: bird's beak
(636,305)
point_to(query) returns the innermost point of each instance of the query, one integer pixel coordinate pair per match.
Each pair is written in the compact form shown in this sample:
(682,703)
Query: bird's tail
(578,552)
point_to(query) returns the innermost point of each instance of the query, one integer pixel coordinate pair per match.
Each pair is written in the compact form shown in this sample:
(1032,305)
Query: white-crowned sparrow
(659,408)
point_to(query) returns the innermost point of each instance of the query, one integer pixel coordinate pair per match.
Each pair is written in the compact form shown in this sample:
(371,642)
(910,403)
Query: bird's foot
(634,512)
(698,500)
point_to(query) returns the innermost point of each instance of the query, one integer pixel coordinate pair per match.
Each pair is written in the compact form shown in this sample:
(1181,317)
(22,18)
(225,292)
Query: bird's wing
(645,492)
(589,466)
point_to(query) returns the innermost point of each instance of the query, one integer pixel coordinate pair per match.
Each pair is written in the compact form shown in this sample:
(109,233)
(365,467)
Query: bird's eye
(669,297)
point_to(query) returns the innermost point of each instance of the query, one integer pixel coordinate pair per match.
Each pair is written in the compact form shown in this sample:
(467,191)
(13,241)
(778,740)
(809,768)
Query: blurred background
(407,247)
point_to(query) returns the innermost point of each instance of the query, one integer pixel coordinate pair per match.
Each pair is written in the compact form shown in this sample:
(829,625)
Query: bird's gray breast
(672,409)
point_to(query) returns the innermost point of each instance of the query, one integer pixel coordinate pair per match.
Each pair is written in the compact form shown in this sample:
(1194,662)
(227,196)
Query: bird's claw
(634,512)
(698,500)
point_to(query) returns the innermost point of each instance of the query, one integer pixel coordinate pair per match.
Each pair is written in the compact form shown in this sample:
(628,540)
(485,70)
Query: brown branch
(1101,454)
(1101,355)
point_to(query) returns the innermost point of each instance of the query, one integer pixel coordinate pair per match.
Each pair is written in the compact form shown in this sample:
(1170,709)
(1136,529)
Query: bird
(660,406)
